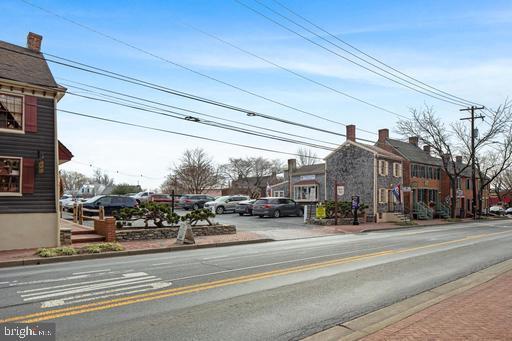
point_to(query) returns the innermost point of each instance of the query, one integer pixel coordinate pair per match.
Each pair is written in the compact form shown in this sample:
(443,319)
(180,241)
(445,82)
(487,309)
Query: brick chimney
(34,41)
(426,149)
(292,165)
(351,132)
(383,135)
(414,140)
(458,159)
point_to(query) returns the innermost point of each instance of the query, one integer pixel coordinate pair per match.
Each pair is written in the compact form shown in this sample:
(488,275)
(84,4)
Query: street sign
(320,212)
(185,234)
(340,190)
(460,193)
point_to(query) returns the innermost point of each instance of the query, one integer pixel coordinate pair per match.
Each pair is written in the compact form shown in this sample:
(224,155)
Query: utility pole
(473,153)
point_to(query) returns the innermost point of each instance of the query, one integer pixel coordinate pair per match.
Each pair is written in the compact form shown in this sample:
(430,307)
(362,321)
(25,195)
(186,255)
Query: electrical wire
(368,55)
(117,40)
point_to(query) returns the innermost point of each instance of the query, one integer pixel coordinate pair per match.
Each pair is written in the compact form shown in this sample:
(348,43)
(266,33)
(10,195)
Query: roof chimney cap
(414,140)
(383,135)
(351,133)
(34,41)
(426,149)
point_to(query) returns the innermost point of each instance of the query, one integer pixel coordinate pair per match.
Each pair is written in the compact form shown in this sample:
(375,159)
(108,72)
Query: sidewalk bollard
(80,214)
(75,212)
(101,214)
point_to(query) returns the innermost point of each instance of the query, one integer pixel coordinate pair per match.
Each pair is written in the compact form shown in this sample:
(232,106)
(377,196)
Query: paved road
(274,291)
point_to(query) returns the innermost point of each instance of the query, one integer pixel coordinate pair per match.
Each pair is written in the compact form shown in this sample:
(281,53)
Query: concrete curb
(427,225)
(41,260)
(377,320)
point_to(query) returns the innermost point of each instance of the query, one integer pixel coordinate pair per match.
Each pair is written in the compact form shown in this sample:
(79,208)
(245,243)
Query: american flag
(396,192)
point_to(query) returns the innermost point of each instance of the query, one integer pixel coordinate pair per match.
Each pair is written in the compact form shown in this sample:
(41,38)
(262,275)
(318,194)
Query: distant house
(255,186)
(29,149)
(91,190)
(304,184)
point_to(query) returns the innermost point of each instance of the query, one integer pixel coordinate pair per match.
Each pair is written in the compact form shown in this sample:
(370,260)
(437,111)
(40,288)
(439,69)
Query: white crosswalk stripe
(127,283)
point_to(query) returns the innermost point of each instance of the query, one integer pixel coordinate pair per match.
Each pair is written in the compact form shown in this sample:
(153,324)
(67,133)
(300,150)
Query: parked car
(194,201)
(277,207)
(497,209)
(226,203)
(111,203)
(65,199)
(142,196)
(245,207)
(69,205)
(508,211)
(161,198)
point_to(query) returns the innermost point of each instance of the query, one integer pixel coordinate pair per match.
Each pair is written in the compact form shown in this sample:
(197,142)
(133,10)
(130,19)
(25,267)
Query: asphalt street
(274,291)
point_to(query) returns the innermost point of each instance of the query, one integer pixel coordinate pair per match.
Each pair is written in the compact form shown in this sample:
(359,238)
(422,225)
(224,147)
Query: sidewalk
(28,257)
(481,313)
(475,307)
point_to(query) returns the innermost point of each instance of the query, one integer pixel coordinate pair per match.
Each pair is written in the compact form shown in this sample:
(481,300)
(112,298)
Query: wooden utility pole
(336,202)
(473,153)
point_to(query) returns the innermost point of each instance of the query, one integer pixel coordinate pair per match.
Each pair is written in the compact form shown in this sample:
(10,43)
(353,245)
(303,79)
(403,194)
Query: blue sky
(462,47)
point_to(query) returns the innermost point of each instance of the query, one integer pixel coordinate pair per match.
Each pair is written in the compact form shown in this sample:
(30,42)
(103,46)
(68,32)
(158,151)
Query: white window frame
(397,169)
(383,168)
(278,193)
(14,194)
(23,116)
(297,191)
(383,196)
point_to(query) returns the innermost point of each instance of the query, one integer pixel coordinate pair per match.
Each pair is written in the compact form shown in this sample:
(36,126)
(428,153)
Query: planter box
(171,232)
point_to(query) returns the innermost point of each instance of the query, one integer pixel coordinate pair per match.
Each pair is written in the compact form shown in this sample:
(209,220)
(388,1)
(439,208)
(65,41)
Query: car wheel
(195,207)
(240,214)
(300,213)
(277,214)
(260,216)
(219,210)
(185,208)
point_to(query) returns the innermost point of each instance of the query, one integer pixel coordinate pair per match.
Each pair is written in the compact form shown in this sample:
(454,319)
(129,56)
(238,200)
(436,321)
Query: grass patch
(454,220)
(406,223)
(69,251)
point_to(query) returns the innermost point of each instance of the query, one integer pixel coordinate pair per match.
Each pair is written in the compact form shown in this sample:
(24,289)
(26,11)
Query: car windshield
(222,199)
(93,199)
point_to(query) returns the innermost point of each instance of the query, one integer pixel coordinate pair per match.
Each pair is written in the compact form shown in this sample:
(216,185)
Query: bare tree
(72,180)
(503,184)
(248,174)
(446,141)
(196,172)
(102,178)
(307,157)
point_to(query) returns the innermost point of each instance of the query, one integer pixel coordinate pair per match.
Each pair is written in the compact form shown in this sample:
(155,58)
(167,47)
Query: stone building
(367,171)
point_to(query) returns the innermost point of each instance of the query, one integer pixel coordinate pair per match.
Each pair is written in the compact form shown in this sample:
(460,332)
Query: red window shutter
(30,114)
(28,176)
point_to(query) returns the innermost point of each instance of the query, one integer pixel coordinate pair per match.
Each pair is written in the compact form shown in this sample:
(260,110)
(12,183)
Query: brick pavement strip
(476,307)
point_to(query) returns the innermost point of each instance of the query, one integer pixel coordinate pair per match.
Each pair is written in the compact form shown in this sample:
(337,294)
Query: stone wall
(65,236)
(171,232)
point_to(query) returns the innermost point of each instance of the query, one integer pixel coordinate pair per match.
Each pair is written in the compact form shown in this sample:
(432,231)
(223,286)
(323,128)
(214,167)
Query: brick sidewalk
(481,313)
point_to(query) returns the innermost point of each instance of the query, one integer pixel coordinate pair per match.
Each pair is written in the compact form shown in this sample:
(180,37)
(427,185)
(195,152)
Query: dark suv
(194,201)
(277,207)
(111,203)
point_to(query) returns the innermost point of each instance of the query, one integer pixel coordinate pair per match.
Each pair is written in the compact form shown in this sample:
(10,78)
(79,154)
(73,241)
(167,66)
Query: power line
(132,80)
(334,52)
(90,164)
(177,108)
(183,117)
(183,66)
(367,54)
(290,71)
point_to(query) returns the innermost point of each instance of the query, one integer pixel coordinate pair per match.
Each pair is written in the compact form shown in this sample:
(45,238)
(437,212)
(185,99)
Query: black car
(277,207)
(111,203)
(194,201)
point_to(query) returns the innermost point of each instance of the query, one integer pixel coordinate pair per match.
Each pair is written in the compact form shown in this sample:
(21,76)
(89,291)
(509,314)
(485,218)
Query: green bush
(151,211)
(102,247)
(56,251)
(93,248)
(344,209)
(198,215)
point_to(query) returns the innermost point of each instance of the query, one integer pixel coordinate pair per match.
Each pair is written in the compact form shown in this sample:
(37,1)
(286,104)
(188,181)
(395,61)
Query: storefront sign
(307,177)
(340,190)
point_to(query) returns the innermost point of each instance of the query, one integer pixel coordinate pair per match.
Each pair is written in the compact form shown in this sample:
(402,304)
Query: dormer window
(11,112)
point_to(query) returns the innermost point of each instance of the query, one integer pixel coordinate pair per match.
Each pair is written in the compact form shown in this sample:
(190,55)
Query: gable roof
(414,153)
(370,148)
(318,168)
(24,65)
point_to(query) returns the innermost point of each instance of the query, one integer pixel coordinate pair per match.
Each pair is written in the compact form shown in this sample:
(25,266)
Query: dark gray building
(29,150)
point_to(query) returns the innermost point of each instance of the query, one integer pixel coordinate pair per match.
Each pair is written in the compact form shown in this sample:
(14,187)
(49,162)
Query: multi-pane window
(426,172)
(383,196)
(11,112)
(278,193)
(305,193)
(397,169)
(10,175)
(383,167)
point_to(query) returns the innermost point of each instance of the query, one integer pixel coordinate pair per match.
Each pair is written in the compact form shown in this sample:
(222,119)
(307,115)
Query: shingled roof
(25,65)
(318,168)
(414,153)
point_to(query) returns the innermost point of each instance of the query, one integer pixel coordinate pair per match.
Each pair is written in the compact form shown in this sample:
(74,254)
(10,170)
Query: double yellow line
(127,300)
